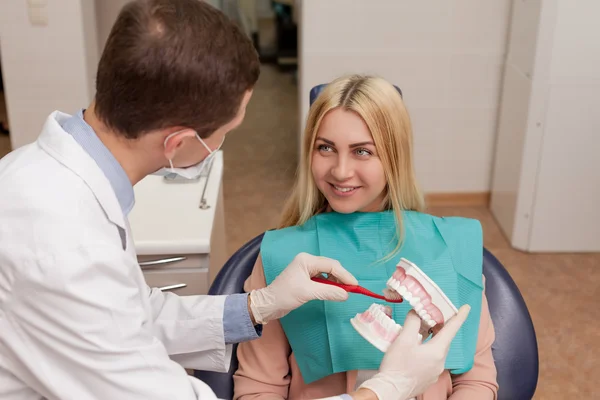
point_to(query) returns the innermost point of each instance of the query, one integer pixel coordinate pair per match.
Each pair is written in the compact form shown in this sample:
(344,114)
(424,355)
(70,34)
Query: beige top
(268,369)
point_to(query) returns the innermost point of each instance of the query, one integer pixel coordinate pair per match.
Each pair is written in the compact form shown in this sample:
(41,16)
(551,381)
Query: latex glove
(409,367)
(293,287)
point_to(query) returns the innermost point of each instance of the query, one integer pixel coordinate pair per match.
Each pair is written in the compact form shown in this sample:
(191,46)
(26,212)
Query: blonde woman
(356,199)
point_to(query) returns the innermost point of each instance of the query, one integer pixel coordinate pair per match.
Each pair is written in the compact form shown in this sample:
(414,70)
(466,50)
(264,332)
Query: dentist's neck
(131,155)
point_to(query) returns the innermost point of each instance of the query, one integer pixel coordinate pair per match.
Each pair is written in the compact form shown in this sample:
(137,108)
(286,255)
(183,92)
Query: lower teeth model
(412,284)
(377,326)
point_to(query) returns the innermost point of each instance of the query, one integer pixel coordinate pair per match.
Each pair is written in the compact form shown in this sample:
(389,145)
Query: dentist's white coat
(77,320)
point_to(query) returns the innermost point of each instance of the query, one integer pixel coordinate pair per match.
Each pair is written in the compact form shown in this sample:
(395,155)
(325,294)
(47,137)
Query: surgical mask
(193,171)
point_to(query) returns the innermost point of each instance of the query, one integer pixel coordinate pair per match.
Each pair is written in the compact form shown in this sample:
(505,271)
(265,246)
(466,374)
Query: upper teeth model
(428,300)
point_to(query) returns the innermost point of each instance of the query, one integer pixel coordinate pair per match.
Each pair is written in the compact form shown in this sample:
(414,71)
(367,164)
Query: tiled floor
(561,290)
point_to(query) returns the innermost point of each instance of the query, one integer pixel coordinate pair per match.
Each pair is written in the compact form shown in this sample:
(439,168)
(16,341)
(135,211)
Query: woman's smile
(343,191)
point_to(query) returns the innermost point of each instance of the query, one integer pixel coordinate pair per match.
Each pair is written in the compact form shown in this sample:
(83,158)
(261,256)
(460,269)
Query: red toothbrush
(356,289)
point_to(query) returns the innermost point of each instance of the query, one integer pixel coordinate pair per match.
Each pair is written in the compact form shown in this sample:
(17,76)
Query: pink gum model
(377,326)
(428,300)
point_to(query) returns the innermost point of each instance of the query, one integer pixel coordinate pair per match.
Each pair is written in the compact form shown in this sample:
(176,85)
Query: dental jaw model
(377,326)
(427,299)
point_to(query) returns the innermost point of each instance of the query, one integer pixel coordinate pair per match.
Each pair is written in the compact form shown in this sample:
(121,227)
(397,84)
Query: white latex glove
(293,287)
(409,367)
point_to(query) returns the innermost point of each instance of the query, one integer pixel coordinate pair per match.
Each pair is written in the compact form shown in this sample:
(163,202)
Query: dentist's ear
(174,141)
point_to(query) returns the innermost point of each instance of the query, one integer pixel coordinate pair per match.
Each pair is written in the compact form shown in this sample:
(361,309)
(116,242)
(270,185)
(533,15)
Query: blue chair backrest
(230,280)
(515,349)
(316,91)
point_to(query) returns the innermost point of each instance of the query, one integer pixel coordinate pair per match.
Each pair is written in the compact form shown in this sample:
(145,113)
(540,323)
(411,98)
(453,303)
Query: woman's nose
(342,170)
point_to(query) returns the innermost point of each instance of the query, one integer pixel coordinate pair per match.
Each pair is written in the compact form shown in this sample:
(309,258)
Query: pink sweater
(268,369)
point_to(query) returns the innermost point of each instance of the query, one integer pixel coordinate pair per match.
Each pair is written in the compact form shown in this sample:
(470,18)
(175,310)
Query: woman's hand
(409,367)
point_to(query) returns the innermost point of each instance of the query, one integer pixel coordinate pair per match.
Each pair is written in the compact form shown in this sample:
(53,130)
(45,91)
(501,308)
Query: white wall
(106,15)
(46,68)
(569,170)
(546,187)
(529,39)
(446,56)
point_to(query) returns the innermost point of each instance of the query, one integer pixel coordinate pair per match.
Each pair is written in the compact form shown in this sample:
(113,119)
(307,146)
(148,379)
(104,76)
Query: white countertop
(167,218)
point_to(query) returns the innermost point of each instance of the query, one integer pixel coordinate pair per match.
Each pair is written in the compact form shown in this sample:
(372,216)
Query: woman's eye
(324,147)
(363,152)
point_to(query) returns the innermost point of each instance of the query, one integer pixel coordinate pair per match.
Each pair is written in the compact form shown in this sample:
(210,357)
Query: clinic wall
(568,181)
(447,57)
(49,67)
(106,15)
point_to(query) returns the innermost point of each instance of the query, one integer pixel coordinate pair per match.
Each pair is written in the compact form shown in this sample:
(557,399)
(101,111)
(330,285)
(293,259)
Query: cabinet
(178,228)
(546,180)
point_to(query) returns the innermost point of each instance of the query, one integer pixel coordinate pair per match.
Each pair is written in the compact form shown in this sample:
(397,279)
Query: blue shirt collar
(89,141)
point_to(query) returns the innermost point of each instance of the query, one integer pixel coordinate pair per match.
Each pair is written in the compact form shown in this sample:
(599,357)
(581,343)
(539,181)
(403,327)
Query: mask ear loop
(165,146)
(205,145)
(175,133)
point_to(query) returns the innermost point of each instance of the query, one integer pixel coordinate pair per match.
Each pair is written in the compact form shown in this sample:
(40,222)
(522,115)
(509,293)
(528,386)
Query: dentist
(77,320)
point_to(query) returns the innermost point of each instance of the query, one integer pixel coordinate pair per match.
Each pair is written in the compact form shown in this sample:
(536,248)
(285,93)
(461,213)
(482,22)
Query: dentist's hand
(410,367)
(294,287)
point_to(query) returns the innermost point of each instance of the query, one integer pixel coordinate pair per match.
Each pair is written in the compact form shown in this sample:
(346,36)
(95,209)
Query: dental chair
(230,280)
(515,349)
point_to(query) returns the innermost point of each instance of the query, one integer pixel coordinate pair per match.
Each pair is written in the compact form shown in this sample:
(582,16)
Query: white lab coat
(77,320)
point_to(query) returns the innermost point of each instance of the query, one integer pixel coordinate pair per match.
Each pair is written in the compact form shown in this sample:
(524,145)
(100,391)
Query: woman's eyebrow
(351,146)
(326,141)
(361,144)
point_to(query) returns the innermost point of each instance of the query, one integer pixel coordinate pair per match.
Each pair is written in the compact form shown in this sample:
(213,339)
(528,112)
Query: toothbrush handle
(356,289)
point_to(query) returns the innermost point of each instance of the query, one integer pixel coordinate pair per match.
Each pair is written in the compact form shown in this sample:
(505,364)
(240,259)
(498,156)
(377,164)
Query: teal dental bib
(448,250)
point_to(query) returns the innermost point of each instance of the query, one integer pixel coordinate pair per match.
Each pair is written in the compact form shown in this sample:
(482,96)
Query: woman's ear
(174,141)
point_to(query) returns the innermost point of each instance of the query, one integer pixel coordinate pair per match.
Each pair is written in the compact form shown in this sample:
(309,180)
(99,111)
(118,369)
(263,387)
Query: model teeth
(414,301)
(341,189)
(380,316)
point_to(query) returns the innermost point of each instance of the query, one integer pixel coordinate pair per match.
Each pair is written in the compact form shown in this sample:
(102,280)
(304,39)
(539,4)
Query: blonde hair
(380,105)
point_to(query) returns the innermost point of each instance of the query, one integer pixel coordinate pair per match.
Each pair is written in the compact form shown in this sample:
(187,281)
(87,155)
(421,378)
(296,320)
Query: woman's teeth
(344,189)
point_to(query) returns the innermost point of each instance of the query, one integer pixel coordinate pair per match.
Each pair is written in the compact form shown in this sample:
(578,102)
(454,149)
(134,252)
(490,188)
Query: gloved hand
(409,367)
(293,287)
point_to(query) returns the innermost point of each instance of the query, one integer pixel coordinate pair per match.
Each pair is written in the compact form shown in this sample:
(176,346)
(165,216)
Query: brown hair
(173,63)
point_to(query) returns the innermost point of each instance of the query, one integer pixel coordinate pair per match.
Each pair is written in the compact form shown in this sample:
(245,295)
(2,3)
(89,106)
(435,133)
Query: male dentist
(77,320)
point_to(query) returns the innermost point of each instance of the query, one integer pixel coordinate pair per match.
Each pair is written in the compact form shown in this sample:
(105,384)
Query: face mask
(191,172)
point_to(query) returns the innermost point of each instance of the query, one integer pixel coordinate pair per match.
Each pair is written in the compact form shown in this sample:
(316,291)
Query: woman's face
(345,164)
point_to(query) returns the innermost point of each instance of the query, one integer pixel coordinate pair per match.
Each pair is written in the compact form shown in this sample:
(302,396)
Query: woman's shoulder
(287,230)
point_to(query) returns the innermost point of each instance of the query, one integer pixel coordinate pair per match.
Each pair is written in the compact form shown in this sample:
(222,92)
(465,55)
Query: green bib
(448,250)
